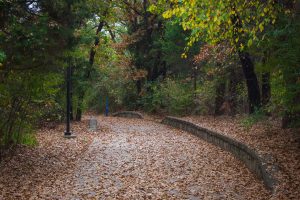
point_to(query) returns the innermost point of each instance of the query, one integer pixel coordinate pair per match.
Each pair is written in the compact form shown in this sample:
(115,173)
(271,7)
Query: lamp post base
(69,135)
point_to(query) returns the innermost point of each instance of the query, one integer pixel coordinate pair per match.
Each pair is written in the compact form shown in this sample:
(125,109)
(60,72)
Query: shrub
(170,96)
(252,119)
(25,99)
(205,98)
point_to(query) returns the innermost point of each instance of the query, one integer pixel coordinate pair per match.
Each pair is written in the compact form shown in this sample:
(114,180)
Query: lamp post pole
(68,133)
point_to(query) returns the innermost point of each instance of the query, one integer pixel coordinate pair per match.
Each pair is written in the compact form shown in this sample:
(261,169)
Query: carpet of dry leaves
(279,147)
(125,159)
(27,170)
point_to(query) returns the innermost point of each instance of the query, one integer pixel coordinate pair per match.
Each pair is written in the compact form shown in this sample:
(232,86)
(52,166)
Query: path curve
(139,159)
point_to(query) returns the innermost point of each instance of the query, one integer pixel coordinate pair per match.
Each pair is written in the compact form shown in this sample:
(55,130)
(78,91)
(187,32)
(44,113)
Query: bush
(170,96)
(25,98)
(252,119)
(205,98)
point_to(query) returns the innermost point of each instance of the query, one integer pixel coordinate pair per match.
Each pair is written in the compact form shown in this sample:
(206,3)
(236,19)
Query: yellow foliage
(184,56)
(217,21)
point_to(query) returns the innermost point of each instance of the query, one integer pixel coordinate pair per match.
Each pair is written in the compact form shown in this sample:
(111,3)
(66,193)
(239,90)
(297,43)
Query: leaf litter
(278,147)
(125,159)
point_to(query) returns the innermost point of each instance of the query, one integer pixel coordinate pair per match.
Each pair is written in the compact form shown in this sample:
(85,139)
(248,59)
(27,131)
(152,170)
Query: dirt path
(137,159)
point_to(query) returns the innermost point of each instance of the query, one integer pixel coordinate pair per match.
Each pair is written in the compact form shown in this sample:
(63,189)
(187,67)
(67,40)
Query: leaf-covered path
(139,159)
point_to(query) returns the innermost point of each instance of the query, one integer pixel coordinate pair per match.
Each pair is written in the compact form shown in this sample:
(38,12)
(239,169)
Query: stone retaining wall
(251,159)
(128,114)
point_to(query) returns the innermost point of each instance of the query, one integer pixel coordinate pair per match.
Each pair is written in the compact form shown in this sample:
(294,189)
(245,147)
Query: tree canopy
(170,57)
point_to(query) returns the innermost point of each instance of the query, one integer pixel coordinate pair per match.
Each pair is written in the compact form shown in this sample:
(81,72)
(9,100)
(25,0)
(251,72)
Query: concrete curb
(251,159)
(128,114)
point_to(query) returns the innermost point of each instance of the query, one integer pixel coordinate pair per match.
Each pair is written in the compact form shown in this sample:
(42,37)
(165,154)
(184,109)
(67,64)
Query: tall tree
(35,40)
(103,15)
(239,22)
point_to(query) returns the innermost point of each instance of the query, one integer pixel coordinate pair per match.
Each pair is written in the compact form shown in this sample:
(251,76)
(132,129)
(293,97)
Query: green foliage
(153,101)
(35,40)
(205,95)
(278,95)
(111,84)
(24,99)
(288,63)
(237,22)
(38,39)
(172,46)
(28,140)
(171,96)
(2,57)
(23,135)
(252,119)
(283,63)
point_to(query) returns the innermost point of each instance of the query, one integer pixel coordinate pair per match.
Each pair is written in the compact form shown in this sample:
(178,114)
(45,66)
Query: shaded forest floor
(26,170)
(141,159)
(280,147)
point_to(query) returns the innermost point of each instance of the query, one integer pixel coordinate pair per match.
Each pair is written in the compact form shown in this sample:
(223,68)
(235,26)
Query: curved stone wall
(128,114)
(251,159)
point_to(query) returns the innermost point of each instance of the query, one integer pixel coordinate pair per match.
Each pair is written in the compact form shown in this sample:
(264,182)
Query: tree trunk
(291,119)
(79,106)
(265,89)
(248,69)
(164,70)
(233,92)
(251,81)
(220,98)
(138,86)
(78,114)
(195,76)
(88,71)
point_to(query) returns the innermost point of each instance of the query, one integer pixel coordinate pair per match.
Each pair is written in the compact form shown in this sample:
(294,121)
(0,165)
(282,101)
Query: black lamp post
(68,133)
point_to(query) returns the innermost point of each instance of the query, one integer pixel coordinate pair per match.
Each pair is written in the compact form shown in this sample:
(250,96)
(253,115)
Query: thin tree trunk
(164,70)
(233,91)
(138,86)
(220,94)
(79,105)
(248,69)
(265,89)
(88,71)
(195,76)
(251,81)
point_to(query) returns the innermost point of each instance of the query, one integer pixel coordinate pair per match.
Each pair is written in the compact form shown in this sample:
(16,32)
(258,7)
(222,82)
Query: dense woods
(214,85)
(165,57)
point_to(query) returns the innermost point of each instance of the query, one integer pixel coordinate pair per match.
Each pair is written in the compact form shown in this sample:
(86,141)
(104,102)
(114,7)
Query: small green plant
(24,134)
(29,140)
(252,119)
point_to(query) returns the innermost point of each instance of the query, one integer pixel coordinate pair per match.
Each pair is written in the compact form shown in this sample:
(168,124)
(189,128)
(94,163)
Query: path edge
(239,150)
(128,114)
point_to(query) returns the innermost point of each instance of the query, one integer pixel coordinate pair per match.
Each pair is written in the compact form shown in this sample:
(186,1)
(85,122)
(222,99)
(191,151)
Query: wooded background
(165,57)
